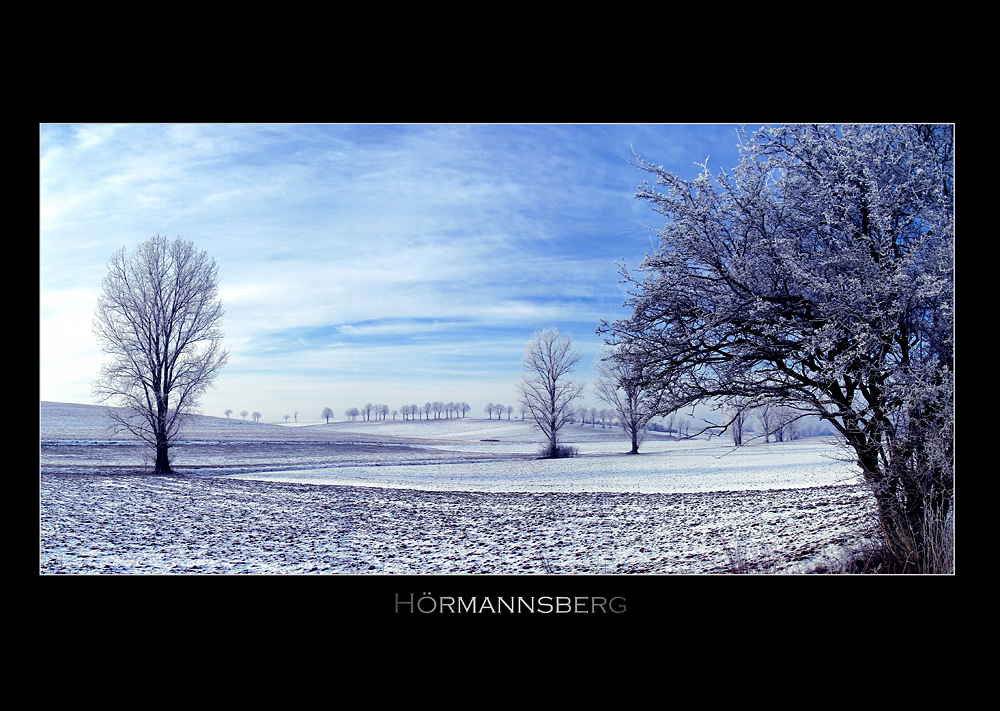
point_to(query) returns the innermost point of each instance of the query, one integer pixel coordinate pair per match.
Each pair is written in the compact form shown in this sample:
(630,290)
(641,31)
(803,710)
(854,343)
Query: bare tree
(464,408)
(256,416)
(353,413)
(737,412)
(546,388)
(765,417)
(500,410)
(159,320)
(327,413)
(623,385)
(286,418)
(228,413)
(490,407)
(296,416)
(243,414)
(786,424)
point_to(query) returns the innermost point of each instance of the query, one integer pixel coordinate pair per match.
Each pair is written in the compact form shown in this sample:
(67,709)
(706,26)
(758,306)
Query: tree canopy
(819,275)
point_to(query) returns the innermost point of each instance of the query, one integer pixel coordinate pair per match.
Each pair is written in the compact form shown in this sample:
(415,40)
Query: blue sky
(359,263)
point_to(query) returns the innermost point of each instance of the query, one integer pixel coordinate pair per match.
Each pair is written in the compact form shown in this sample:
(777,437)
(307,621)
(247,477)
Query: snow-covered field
(445,496)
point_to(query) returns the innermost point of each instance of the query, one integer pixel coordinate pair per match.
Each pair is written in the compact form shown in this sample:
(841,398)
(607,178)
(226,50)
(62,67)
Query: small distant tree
(256,416)
(500,410)
(394,413)
(353,413)
(464,408)
(622,384)
(296,417)
(786,424)
(286,418)
(327,413)
(489,410)
(765,417)
(547,388)
(243,414)
(438,408)
(228,413)
(737,413)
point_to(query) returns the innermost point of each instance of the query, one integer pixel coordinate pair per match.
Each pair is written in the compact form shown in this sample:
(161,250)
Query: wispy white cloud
(394,256)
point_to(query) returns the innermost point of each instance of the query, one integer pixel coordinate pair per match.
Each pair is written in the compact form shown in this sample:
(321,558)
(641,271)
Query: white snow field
(438,496)
(601,465)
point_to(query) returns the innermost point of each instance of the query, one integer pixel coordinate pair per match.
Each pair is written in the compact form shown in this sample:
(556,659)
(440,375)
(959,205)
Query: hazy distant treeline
(439,410)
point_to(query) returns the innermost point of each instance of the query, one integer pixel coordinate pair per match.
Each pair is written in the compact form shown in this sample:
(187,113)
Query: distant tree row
(499,409)
(369,411)
(678,425)
(779,421)
(256,415)
(438,409)
(592,415)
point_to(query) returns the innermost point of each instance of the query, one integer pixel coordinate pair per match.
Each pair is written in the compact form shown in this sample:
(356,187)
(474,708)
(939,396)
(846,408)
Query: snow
(663,467)
(433,497)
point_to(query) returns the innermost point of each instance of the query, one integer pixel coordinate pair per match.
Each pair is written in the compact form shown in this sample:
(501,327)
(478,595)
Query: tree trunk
(162,460)
(162,441)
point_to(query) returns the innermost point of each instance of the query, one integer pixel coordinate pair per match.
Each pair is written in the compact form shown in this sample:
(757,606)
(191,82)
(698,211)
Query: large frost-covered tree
(158,320)
(818,275)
